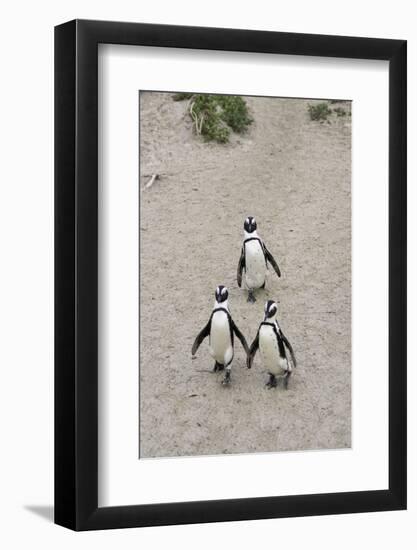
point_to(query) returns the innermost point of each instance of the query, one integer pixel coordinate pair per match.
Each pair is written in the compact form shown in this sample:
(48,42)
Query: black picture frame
(76,272)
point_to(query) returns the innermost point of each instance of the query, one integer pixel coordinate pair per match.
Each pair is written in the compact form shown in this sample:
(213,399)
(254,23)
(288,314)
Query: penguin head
(271,309)
(221,294)
(250,224)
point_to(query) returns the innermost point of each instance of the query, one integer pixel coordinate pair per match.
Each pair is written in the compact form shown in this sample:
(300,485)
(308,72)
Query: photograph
(244,274)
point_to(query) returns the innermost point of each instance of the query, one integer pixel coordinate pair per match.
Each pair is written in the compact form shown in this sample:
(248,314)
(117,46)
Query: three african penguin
(276,352)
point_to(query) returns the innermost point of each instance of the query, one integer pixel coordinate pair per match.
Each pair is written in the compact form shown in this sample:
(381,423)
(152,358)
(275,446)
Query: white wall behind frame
(26,313)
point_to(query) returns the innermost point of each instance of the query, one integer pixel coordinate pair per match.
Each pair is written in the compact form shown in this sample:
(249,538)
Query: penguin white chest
(255,268)
(221,348)
(269,350)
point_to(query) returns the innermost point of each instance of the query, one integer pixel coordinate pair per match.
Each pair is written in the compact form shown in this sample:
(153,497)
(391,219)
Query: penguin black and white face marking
(271,309)
(250,224)
(221,294)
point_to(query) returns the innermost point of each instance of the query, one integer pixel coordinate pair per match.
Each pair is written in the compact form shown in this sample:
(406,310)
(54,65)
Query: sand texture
(294,176)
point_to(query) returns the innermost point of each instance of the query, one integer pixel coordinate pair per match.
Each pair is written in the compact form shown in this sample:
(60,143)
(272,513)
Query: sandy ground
(293,175)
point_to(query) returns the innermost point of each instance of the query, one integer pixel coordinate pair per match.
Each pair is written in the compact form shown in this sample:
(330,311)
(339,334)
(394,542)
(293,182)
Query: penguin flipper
(240,267)
(272,261)
(241,337)
(252,351)
(289,346)
(200,337)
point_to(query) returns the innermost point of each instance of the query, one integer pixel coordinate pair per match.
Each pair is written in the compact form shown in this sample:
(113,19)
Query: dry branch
(154,177)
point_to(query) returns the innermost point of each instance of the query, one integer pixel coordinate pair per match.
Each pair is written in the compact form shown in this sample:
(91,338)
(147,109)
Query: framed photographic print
(230,253)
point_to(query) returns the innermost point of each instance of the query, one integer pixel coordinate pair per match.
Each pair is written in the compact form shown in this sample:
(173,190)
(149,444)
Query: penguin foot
(218,367)
(272,382)
(251,297)
(226,379)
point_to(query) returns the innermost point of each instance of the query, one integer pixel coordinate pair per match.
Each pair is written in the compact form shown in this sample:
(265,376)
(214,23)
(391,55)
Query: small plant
(180,96)
(234,112)
(319,112)
(215,116)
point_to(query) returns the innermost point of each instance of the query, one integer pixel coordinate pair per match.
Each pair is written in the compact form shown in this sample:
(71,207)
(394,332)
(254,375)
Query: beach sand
(294,176)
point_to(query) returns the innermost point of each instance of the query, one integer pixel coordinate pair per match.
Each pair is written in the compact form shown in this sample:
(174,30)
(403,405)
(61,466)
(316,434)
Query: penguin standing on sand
(253,260)
(276,351)
(221,330)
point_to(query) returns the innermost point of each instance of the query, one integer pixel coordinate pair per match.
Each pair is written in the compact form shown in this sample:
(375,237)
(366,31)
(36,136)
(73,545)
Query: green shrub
(319,112)
(235,112)
(215,116)
(180,96)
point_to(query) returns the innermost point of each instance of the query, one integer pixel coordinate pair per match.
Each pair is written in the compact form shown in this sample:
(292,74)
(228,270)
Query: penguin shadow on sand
(276,352)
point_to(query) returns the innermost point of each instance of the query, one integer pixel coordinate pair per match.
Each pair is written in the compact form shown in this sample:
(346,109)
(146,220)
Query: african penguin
(221,330)
(276,352)
(254,259)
